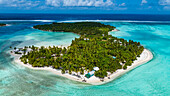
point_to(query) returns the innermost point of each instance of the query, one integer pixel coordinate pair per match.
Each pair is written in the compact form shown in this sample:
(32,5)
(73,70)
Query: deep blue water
(150,79)
(61,17)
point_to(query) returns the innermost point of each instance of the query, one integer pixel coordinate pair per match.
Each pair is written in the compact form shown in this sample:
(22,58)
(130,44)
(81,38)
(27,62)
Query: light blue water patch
(44,38)
(150,79)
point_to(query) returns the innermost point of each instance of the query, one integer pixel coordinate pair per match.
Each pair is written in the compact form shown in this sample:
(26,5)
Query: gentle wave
(116,21)
(130,21)
(29,20)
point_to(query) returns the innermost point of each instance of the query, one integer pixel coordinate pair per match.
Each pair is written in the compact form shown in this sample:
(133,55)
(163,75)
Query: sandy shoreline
(113,31)
(144,57)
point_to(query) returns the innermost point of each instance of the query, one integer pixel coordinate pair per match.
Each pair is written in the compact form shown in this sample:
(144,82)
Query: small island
(96,57)
(2,24)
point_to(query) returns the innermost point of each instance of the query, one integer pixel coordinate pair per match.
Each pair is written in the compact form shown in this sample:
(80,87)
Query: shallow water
(148,79)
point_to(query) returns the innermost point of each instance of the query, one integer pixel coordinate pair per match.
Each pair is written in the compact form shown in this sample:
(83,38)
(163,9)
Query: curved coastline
(145,57)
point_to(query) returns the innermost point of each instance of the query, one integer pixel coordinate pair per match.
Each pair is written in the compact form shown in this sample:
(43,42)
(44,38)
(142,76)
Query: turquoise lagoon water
(150,79)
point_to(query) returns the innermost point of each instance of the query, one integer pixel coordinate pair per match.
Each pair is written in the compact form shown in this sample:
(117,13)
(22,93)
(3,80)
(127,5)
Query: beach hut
(61,54)
(17,50)
(29,50)
(114,57)
(87,75)
(86,38)
(96,68)
(53,55)
(91,73)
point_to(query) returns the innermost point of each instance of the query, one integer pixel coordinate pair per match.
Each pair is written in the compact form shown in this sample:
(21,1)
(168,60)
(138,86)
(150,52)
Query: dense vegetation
(81,28)
(94,48)
(1,24)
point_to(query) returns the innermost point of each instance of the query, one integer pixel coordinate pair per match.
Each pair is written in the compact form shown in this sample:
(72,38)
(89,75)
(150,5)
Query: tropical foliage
(94,48)
(81,28)
(1,24)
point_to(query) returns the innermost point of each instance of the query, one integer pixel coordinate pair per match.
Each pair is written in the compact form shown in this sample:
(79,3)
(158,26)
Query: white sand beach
(144,58)
(8,25)
(113,31)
